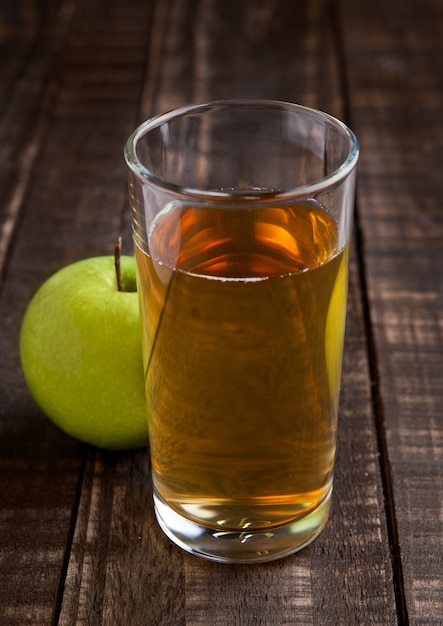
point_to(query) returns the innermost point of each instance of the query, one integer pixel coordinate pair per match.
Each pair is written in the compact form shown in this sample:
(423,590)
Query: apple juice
(243,315)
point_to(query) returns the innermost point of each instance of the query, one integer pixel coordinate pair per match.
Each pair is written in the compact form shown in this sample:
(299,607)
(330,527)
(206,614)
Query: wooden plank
(395,54)
(28,59)
(64,139)
(136,575)
(122,568)
(219,50)
(38,466)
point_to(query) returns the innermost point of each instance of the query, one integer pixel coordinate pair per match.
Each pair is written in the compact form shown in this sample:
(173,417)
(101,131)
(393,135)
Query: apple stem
(118,270)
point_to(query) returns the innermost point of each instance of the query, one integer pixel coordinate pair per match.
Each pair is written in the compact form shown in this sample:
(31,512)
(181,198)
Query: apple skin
(80,350)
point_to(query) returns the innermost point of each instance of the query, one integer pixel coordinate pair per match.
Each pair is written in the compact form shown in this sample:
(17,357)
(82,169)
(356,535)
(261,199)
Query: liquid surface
(243,321)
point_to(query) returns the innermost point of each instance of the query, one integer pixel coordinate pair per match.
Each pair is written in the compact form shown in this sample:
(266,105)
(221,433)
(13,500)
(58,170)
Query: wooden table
(78,539)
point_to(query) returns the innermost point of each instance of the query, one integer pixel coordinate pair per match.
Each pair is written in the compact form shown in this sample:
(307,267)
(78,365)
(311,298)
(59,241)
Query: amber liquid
(243,320)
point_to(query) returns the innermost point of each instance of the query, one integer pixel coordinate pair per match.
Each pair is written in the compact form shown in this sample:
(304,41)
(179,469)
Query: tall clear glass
(242,214)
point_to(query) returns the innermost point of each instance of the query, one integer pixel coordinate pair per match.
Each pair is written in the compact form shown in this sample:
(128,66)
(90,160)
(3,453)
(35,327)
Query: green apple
(80,350)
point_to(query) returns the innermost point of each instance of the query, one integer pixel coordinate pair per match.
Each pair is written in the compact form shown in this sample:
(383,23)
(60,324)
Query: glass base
(243,546)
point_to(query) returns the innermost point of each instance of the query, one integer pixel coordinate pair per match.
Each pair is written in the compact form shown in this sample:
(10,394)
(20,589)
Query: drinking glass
(241,216)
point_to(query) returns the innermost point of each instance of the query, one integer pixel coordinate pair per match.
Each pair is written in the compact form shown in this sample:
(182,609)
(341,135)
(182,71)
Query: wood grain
(79,543)
(395,57)
(65,187)
(39,467)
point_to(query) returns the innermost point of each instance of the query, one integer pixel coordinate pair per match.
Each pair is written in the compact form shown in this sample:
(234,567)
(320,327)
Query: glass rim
(302,191)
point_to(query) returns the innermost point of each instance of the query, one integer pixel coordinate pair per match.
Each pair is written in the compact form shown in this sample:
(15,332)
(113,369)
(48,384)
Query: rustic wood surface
(79,544)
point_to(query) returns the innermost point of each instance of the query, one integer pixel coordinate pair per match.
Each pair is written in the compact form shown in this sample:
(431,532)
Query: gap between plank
(70,537)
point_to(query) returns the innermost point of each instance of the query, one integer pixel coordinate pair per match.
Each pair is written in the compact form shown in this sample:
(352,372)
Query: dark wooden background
(78,541)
